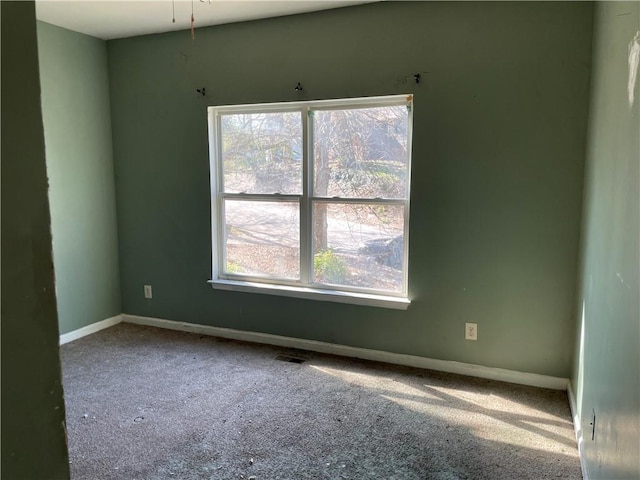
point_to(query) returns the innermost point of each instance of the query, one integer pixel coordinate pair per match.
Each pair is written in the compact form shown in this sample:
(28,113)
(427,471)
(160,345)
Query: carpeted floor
(146,404)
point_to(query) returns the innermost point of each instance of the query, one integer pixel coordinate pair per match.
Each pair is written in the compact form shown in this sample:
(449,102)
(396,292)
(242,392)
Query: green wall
(77,129)
(499,133)
(33,433)
(606,374)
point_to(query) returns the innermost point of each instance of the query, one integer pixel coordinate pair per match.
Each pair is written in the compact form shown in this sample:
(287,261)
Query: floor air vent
(287,358)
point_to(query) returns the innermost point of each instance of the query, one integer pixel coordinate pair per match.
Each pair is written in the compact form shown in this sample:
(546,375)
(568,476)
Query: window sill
(365,299)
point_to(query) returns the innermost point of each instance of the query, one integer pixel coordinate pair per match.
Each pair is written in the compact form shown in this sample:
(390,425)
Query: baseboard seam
(577,427)
(510,376)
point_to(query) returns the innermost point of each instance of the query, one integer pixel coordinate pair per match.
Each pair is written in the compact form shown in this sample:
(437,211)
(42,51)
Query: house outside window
(311,199)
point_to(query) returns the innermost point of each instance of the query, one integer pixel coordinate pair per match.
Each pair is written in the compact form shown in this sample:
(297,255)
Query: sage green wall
(33,433)
(606,374)
(499,135)
(77,130)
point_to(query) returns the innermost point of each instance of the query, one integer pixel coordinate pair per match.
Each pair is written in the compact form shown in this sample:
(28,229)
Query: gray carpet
(145,403)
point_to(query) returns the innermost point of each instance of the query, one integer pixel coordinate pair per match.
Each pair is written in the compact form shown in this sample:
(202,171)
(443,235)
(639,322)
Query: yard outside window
(311,199)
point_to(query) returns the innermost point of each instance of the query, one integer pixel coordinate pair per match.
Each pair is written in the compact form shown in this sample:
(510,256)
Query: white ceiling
(108,19)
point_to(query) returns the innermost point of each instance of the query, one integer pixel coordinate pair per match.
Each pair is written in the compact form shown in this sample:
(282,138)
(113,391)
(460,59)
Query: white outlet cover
(471,331)
(148,292)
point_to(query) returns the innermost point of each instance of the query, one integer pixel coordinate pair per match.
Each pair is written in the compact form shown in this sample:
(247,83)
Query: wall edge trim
(503,375)
(89,329)
(573,405)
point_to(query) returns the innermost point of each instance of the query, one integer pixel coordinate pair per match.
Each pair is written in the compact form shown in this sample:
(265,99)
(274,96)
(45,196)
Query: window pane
(361,153)
(359,245)
(262,152)
(262,238)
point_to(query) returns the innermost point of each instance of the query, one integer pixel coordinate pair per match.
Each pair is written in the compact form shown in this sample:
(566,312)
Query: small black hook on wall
(298,87)
(417,77)
(201,91)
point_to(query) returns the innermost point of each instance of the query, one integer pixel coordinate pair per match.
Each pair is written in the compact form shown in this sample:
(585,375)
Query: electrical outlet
(148,293)
(471,331)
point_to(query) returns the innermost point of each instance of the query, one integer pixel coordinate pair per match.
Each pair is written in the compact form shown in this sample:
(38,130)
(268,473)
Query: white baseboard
(89,329)
(577,426)
(500,374)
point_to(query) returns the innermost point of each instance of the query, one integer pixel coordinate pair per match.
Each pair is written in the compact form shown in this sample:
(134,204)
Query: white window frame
(304,287)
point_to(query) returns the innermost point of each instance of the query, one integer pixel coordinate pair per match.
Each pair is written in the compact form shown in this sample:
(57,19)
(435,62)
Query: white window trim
(303,288)
(338,296)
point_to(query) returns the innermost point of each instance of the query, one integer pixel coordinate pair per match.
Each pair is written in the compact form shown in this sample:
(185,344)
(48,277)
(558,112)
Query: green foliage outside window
(329,267)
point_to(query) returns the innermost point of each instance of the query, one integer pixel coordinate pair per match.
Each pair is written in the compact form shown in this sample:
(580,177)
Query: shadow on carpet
(147,404)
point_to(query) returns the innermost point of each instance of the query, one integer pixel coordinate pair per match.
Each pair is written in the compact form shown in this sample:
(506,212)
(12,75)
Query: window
(311,199)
